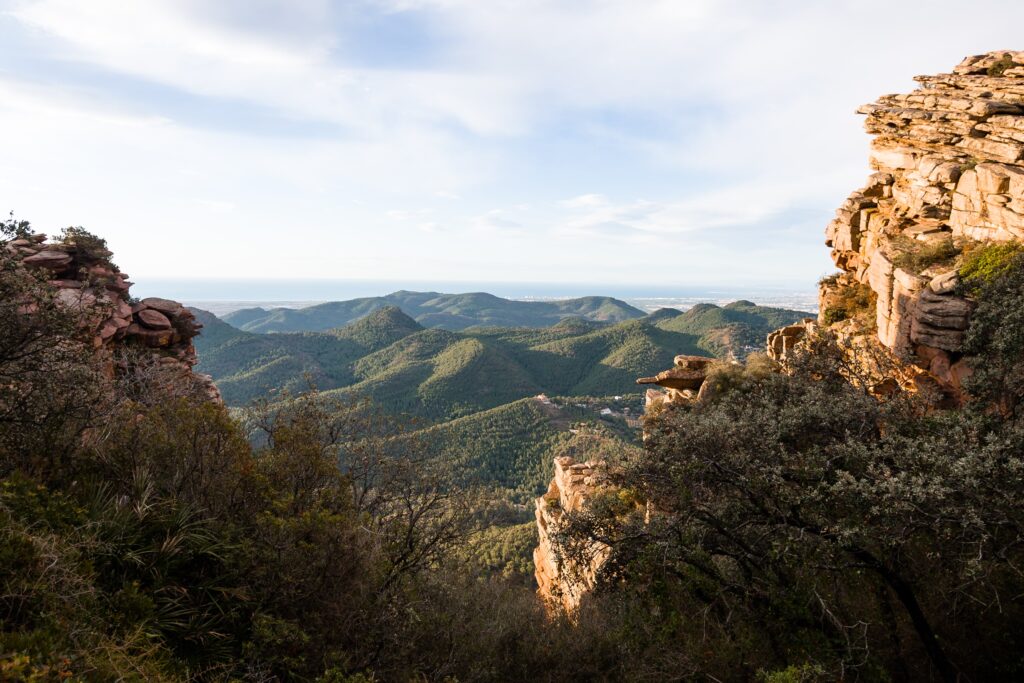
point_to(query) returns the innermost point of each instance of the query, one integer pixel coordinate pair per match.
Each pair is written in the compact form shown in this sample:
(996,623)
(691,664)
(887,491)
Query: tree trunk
(909,601)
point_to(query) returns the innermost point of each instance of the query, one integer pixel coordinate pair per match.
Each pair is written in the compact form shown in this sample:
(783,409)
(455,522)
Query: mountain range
(442,374)
(433,309)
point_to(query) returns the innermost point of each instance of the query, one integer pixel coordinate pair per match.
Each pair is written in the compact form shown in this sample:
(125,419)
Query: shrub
(983,264)
(915,256)
(804,520)
(857,300)
(13,229)
(91,248)
(829,279)
(999,68)
(995,339)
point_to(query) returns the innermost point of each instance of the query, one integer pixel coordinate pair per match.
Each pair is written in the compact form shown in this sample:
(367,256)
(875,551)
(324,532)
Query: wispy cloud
(604,129)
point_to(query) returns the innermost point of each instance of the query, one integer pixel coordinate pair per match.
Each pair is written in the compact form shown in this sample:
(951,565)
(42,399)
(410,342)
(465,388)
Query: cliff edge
(947,184)
(151,336)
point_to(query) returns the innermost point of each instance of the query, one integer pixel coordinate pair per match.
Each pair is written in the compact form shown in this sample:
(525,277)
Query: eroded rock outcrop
(948,174)
(680,383)
(573,484)
(151,336)
(562,582)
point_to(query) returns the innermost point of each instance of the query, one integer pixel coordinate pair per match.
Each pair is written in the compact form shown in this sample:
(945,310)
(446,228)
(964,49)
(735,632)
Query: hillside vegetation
(432,309)
(440,374)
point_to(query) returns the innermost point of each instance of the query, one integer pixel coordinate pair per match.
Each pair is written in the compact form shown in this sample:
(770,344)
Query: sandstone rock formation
(572,485)
(152,335)
(682,382)
(783,340)
(948,174)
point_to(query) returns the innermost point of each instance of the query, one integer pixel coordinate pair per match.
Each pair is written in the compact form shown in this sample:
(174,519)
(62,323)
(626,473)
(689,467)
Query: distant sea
(223,296)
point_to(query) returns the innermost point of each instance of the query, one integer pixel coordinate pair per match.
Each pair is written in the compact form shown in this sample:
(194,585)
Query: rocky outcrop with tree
(136,341)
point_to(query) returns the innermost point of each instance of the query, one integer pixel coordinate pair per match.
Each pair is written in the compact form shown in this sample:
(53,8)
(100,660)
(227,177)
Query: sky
(669,142)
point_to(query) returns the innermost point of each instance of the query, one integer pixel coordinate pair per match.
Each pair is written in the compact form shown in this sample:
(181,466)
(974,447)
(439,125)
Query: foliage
(852,301)
(915,256)
(1000,66)
(985,263)
(505,551)
(994,342)
(789,527)
(13,228)
(51,388)
(89,245)
(804,523)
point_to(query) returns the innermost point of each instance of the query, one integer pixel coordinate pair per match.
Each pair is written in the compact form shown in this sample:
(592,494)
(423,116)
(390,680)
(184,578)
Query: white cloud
(694,120)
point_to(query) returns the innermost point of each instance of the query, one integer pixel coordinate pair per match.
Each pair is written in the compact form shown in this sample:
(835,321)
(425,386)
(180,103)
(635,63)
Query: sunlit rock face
(572,486)
(948,174)
(151,336)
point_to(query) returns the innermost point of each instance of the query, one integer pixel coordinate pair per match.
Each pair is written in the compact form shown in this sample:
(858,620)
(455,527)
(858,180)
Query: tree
(800,519)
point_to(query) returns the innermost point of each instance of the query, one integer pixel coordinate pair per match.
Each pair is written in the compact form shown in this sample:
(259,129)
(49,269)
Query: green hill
(511,448)
(432,309)
(439,374)
(734,329)
(248,366)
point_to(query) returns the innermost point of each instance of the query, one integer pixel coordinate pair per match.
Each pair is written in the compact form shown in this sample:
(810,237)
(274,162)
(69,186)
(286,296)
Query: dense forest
(439,374)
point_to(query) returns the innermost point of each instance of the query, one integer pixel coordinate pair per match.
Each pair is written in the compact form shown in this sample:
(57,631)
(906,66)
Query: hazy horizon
(225,295)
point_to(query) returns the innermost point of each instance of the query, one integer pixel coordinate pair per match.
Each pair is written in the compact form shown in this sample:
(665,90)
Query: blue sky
(628,141)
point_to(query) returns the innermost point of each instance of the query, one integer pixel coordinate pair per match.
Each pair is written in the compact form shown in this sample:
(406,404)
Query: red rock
(108,330)
(50,259)
(167,306)
(154,320)
(77,299)
(151,338)
(67,284)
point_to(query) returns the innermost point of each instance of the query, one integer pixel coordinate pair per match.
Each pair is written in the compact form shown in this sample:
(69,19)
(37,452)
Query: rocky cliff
(573,484)
(947,180)
(152,336)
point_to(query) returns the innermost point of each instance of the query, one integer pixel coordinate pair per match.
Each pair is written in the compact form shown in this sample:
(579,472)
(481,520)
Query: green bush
(1000,67)
(983,264)
(13,228)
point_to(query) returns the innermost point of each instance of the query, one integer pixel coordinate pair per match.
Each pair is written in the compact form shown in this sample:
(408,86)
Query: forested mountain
(432,309)
(441,374)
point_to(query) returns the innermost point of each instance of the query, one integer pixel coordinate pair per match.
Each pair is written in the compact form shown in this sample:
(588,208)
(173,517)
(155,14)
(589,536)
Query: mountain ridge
(434,309)
(438,373)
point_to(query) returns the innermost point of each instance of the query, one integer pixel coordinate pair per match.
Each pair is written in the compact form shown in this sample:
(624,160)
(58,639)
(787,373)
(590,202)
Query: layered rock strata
(573,484)
(948,161)
(152,335)
(681,383)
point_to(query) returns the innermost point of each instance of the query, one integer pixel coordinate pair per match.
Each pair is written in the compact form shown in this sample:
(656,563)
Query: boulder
(154,320)
(165,306)
(49,259)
